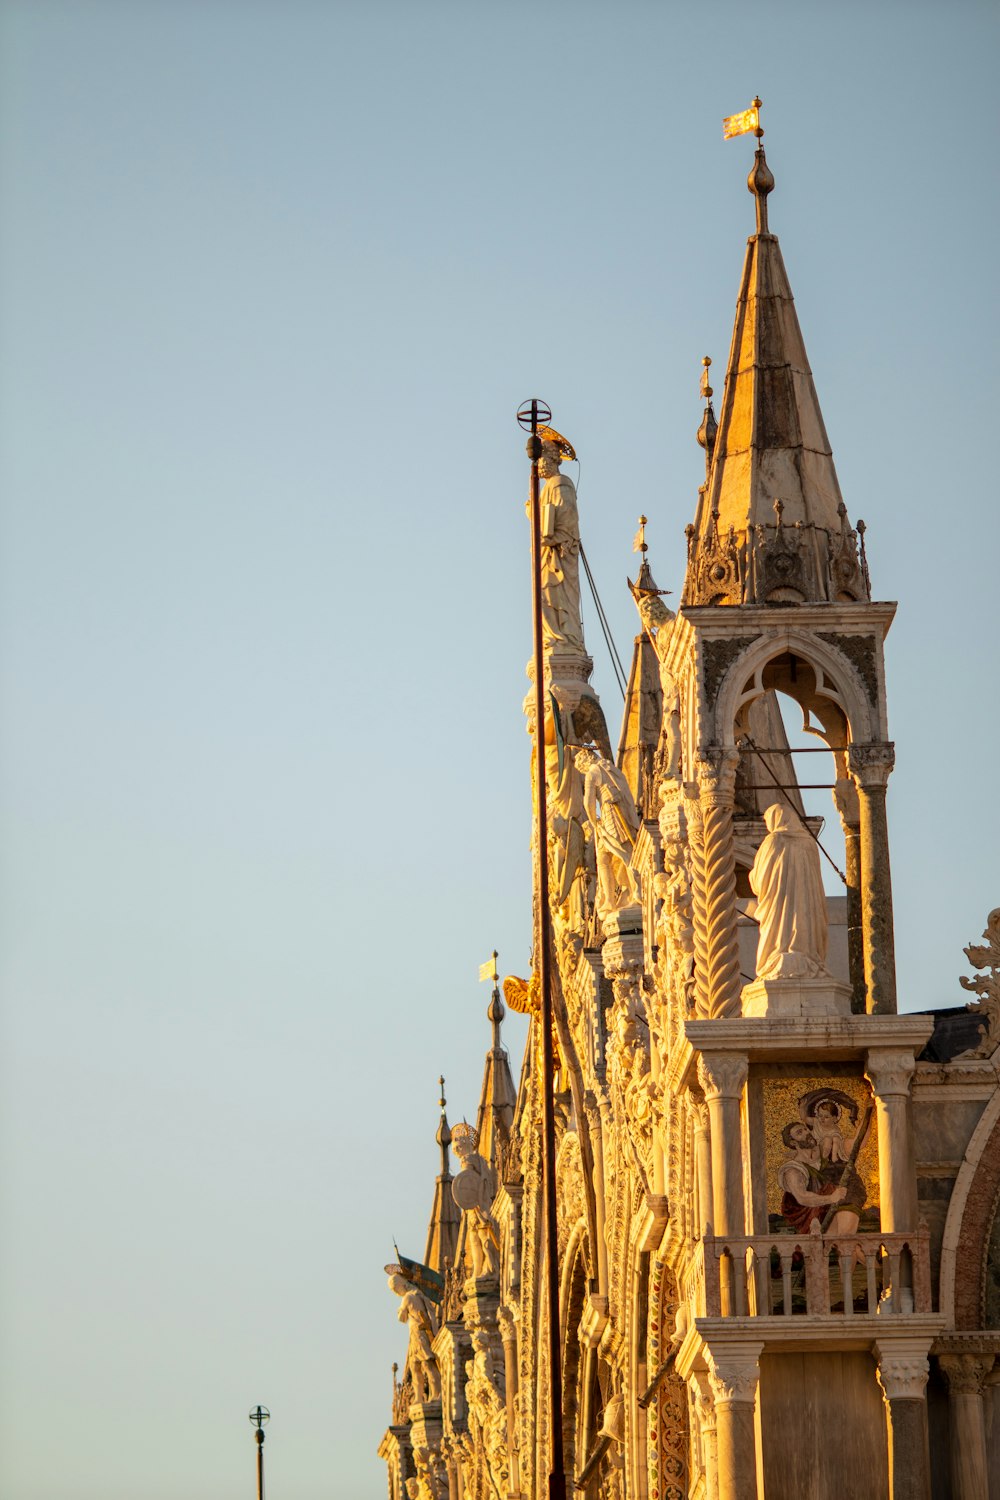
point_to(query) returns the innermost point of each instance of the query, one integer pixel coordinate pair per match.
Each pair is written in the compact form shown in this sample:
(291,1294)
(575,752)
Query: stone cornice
(765,1039)
(900,1334)
(856,619)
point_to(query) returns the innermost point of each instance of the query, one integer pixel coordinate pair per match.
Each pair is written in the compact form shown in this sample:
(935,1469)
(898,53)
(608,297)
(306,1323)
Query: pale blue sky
(273,280)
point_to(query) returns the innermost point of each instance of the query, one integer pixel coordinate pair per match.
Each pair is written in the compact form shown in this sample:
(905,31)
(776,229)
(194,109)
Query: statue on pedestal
(473,1191)
(562,623)
(791,904)
(416,1310)
(608,802)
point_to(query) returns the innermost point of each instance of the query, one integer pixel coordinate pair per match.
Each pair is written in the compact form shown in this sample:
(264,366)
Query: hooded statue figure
(791,905)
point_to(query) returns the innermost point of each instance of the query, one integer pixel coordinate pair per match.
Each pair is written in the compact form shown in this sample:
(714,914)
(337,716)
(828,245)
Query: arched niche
(579,1415)
(831,695)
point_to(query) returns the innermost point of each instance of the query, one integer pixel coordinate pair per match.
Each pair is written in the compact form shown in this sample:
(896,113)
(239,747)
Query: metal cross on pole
(530,416)
(258,1416)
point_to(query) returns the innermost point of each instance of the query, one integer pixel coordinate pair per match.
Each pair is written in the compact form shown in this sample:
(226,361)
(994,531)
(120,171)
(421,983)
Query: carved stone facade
(777,1194)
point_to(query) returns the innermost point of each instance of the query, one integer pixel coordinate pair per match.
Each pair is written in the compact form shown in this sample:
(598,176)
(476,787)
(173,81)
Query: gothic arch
(975,1200)
(836,683)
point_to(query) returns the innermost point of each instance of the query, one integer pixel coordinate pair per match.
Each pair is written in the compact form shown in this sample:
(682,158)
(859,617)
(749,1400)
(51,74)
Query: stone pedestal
(797,999)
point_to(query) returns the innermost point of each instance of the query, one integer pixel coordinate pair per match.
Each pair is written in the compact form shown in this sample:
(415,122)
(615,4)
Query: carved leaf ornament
(985,985)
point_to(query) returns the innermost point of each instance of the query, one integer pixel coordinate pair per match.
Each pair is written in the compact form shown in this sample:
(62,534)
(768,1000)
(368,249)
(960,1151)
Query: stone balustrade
(781,1275)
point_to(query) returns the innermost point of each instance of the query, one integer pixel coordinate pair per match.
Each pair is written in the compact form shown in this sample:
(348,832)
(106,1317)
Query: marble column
(705,1407)
(845,798)
(508,1333)
(966,1375)
(870,766)
(722,1076)
(902,1374)
(702,1159)
(717,785)
(890,1070)
(733,1375)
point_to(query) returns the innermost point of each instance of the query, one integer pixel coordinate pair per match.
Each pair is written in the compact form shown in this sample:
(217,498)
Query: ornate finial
(639,540)
(760,181)
(779,506)
(495,1013)
(709,426)
(644,583)
(443,1133)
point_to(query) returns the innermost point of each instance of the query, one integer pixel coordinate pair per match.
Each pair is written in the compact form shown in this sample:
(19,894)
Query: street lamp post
(258,1416)
(530,416)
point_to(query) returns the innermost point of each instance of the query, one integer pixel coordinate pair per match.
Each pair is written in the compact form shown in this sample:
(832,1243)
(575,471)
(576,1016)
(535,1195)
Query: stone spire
(643,711)
(442,1231)
(498,1096)
(771,526)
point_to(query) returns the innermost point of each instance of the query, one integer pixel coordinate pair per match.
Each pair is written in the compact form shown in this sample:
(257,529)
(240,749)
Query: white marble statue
(473,1191)
(657,621)
(610,808)
(791,905)
(417,1311)
(562,623)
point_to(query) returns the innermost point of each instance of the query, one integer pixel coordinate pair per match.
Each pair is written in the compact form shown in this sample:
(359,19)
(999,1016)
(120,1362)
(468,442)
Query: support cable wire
(747,743)
(616,660)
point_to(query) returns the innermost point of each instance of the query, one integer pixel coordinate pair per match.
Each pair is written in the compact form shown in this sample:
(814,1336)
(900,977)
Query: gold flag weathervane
(743,123)
(488,970)
(639,540)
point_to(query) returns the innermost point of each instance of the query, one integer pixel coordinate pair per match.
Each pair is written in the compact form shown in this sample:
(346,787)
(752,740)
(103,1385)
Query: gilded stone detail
(986,985)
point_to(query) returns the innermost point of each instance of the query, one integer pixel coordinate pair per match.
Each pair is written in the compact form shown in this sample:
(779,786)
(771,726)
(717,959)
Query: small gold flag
(741,124)
(488,970)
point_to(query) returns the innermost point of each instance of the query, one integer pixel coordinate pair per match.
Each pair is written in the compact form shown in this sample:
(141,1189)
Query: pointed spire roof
(442,1231)
(771,525)
(498,1096)
(643,711)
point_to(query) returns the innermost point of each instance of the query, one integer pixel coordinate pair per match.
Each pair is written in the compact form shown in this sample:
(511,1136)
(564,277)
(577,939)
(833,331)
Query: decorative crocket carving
(847,576)
(715,567)
(985,985)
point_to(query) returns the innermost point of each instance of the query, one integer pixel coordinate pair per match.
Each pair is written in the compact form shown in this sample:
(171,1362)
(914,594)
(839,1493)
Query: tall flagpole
(529,416)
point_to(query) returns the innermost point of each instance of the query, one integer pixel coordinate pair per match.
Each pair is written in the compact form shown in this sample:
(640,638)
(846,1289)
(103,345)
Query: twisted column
(716,781)
(696,844)
(870,766)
